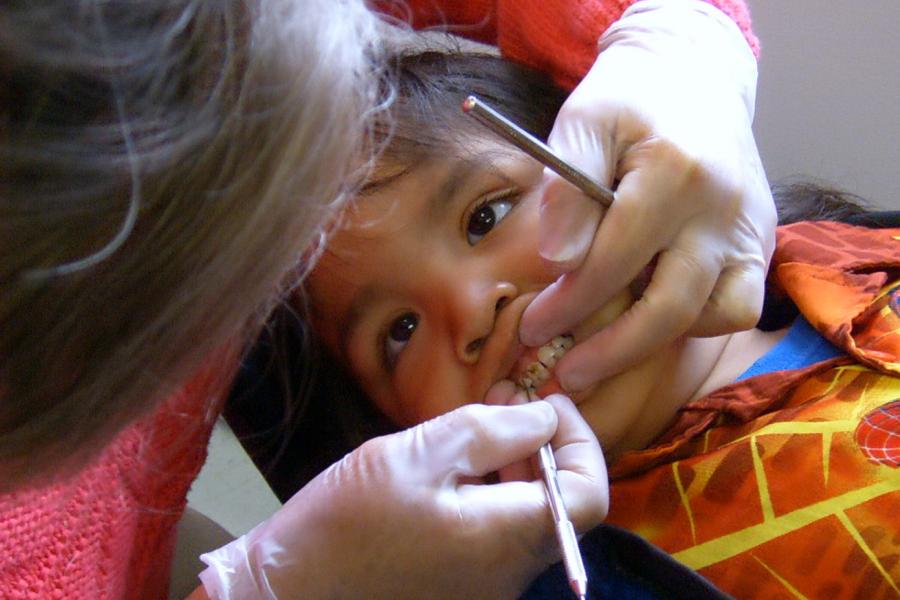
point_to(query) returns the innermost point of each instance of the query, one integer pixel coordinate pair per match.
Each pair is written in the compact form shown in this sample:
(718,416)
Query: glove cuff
(692,34)
(230,574)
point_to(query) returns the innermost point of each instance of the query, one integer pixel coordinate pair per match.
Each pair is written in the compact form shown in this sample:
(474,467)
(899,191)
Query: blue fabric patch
(801,347)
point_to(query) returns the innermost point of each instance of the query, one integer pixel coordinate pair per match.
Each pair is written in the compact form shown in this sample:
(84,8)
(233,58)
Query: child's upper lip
(502,350)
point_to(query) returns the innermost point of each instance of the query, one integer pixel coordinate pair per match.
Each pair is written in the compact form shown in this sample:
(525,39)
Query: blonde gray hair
(163,165)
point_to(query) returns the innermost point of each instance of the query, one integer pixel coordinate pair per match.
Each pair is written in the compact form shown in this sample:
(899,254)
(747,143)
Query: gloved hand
(398,518)
(666,111)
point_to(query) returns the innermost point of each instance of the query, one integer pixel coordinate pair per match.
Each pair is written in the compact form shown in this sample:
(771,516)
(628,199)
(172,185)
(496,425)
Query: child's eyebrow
(447,188)
(463,171)
(364,298)
(439,200)
(451,185)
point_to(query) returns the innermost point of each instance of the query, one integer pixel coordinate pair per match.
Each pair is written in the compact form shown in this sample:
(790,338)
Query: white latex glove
(666,109)
(397,519)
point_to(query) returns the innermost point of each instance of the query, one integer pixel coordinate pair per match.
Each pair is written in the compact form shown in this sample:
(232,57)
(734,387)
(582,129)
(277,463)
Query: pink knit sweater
(108,532)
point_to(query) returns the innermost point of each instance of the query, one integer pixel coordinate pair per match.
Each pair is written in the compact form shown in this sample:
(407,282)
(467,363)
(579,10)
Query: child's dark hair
(426,95)
(315,412)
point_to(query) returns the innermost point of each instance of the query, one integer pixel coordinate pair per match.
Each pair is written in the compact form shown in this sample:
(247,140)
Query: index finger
(627,240)
(675,297)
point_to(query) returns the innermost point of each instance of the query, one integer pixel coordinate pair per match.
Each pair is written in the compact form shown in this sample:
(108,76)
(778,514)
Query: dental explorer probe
(565,532)
(536,149)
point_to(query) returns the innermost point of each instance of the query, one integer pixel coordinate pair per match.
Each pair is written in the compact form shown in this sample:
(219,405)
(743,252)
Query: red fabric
(878,435)
(788,484)
(555,36)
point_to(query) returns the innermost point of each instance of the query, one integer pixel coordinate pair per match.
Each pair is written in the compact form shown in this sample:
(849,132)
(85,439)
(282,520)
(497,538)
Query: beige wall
(828,103)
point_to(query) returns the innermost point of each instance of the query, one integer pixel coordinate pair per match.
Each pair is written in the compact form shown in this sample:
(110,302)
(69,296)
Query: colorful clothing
(787,484)
(800,347)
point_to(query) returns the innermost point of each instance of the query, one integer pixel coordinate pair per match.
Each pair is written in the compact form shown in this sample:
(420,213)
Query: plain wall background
(828,99)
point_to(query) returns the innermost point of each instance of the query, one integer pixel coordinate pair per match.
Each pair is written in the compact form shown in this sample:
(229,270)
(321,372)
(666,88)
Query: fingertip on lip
(572,383)
(501,393)
(532,334)
(518,399)
(529,335)
(531,338)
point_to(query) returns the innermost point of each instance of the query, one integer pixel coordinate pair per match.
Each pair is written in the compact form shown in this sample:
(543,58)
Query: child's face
(423,286)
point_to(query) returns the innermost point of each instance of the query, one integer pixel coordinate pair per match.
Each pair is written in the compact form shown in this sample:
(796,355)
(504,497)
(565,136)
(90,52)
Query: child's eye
(399,332)
(486,216)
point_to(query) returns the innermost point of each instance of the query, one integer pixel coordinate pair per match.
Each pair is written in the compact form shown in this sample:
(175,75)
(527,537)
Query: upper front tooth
(563,342)
(538,373)
(548,355)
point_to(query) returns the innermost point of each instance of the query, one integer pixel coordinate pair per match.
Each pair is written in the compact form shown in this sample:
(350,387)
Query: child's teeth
(563,342)
(548,356)
(538,373)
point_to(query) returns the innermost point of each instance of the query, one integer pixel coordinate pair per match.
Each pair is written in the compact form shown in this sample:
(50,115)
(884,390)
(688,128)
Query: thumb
(569,220)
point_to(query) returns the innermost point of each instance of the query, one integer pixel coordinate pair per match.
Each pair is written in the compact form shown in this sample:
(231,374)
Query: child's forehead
(433,165)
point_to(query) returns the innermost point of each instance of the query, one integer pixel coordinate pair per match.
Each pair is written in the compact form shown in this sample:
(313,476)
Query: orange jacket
(786,485)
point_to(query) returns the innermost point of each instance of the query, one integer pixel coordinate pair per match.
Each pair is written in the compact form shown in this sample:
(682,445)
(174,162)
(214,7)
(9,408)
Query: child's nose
(481,306)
